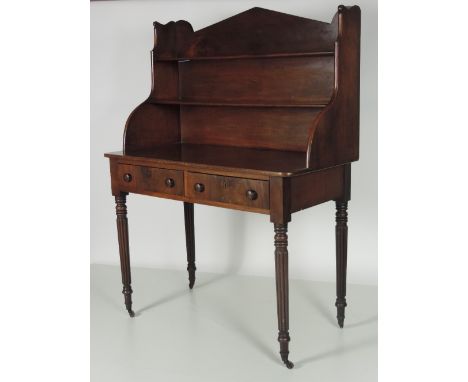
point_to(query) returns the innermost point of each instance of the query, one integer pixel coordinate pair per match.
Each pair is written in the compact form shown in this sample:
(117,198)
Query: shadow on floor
(327,312)
(235,256)
(367,321)
(99,293)
(340,350)
(172,296)
(237,323)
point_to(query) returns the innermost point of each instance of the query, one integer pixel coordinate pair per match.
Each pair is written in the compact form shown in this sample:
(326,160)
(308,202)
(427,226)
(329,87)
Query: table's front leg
(124,250)
(282,290)
(190,242)
(280,215)
(341,232)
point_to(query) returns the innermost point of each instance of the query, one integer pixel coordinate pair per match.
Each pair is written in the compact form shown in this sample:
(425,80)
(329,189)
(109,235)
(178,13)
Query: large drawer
(150,180)
(251,193)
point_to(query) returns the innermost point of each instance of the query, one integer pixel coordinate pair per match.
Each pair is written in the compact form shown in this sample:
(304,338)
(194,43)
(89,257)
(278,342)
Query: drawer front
(224,189)
(150,179)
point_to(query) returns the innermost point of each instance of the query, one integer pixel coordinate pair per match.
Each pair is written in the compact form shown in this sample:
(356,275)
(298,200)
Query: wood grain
(256,163)
(336,138)
(297,80)
(313,188)
(256,31)
(341,232)
(190,241)
(276,129)
(124,250)
(229,190)
(260,113)
(151,125)
(282,290)
(151,179)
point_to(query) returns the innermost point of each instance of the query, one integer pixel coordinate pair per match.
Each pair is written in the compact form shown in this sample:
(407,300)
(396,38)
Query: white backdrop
(226,241)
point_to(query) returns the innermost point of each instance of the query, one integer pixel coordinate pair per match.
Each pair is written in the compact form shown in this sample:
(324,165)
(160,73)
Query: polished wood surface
(259,113)
(256,31)
(253,127)
(286,80)
(312,188)
(282,290)
(293,74)
(225,189)
(336,136)
(190,241)
(124,248)
(341,232)
(229,158)
(143,178)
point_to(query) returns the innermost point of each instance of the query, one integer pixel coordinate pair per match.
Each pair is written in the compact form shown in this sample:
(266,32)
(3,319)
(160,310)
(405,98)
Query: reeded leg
(190,242)
(341,231)
(282,290)
(122,230)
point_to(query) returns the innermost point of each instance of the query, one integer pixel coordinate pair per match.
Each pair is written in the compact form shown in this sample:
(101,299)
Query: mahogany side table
(260,113)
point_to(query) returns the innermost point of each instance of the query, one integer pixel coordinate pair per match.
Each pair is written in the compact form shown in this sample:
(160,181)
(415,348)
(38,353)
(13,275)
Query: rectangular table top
(262,161)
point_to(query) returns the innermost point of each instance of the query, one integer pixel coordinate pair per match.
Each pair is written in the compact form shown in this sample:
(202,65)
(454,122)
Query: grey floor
(225,330)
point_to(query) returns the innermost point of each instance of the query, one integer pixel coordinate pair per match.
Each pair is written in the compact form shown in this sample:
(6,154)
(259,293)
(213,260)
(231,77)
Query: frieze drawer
(251,193)
(145,179)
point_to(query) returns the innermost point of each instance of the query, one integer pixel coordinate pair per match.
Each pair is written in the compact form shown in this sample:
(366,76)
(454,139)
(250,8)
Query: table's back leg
(190,242)
(341,231)
(124,250)
(282,290)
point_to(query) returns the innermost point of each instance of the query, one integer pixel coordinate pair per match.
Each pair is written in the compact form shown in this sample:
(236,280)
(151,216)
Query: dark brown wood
(254,32)
(225,189)
(287,80)
(143,178)
(341,231)
(308,190)
(190,242)
(282,290)
(260,113)
(335,139)
(150,125)
(280,200)
(124,249)
(253,127)
(248,162)
(165,80)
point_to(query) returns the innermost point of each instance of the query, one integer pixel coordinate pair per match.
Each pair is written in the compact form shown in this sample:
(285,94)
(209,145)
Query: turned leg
(341,231)
(122,230)
(282,290)
(190,242)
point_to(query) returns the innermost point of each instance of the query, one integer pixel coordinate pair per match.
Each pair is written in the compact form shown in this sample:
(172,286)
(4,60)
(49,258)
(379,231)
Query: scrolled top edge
(343,8)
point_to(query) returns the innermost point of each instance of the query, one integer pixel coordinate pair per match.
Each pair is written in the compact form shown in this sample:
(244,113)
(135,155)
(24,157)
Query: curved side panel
(335,138)
(151,125)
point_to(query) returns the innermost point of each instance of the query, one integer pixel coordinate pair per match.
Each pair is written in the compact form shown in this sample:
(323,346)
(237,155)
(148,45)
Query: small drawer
(224,189)
(150,179)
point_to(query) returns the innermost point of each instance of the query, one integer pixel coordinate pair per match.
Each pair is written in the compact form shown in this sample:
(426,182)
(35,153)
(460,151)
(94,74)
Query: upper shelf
(245,56)
(234,104)
(256,32)
(260,79)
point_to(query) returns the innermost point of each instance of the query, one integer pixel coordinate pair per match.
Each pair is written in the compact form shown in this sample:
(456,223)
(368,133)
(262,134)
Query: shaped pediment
(257,31)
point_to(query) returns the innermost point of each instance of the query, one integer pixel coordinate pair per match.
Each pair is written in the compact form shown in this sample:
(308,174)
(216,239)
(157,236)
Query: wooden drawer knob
(252,195)
(199,187)
(170,182)
(127,177)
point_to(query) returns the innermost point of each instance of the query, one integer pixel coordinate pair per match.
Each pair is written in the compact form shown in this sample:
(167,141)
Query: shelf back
(257,79)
